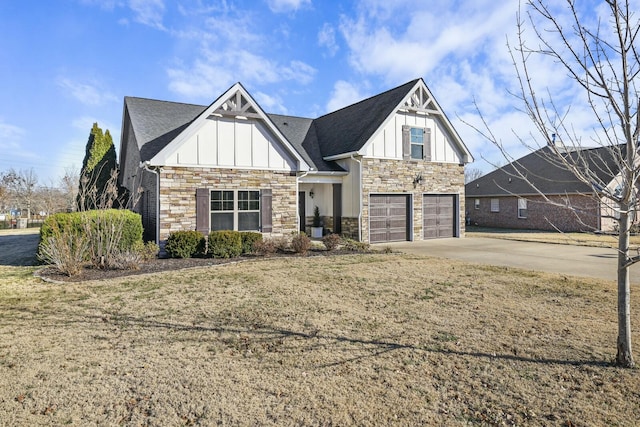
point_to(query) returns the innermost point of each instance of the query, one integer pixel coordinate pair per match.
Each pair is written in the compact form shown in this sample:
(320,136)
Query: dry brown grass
(580,239)
(352,340)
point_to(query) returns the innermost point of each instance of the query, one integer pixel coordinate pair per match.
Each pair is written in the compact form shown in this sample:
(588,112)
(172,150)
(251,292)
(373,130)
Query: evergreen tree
(97,168)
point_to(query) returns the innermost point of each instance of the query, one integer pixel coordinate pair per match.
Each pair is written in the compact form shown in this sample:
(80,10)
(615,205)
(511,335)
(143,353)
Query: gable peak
(237,104)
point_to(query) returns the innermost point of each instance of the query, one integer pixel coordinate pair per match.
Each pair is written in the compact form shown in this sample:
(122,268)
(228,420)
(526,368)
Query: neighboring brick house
(559,201)
(388,168)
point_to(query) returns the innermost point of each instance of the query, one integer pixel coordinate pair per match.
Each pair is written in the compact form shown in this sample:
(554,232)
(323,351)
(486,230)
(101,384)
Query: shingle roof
(156,123)
(348,129)
(548,176)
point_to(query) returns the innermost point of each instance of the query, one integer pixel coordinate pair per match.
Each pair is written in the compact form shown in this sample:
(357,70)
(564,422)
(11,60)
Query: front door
(302,211)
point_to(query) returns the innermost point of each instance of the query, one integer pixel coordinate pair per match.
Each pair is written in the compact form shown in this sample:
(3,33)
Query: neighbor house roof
(543,169)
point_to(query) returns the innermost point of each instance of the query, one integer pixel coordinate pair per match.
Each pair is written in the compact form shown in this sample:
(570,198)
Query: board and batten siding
(387,143)
(233,143)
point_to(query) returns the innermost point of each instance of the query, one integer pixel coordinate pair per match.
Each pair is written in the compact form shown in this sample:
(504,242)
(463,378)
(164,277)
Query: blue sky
(65,64)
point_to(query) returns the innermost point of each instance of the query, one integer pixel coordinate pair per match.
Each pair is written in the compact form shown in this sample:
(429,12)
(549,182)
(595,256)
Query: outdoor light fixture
(417,180)
(311,194)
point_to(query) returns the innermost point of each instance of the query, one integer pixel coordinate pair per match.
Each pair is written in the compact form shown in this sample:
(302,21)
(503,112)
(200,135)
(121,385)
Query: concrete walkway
(572,260)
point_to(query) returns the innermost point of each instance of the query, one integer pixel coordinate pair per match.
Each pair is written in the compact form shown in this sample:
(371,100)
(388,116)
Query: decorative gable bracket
(421,101)
(237,105)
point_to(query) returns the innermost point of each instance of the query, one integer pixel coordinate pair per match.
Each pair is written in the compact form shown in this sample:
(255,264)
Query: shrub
(265,247)
(130,259)
(282,243)
(65,248)
(225,244)
(249,238)
(54,225)
(107,232)
(355,246)
(300,243)
(185,244)
(331,241)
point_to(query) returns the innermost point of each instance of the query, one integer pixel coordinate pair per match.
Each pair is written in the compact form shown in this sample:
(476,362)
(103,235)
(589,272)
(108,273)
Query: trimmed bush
(185,244)
(107,221)
(107,231)
(249,238)
(225,244)
(300,243)
(331,241)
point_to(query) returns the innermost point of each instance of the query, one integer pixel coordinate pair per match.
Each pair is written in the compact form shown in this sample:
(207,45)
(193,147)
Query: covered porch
(325,192)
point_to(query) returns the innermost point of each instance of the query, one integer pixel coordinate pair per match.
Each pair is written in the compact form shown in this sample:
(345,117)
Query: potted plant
(316,228)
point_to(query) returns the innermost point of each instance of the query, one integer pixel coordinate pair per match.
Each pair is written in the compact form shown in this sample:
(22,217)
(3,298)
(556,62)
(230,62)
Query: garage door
(439,215)
(388,218)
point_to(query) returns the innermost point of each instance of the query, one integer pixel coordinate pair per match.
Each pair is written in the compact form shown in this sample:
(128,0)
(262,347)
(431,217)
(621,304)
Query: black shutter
(427,144)
(265,210)
(406,142)
(202,210)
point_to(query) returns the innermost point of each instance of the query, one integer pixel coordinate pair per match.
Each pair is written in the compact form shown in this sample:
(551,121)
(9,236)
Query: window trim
(522,208)
(495,205)
(421,133)
(236,206)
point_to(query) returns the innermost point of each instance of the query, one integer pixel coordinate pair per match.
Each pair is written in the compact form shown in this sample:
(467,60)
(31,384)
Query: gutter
(360,198)
(145,166)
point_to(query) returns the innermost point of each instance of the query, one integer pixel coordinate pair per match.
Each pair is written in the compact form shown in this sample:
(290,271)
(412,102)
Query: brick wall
(396,176)
(541,215)
(178,195)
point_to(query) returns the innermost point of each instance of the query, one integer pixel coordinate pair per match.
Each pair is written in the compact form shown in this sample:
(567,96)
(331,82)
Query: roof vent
(285,124)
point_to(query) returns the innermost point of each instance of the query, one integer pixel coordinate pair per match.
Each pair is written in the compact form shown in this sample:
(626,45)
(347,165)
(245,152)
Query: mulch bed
(51,274)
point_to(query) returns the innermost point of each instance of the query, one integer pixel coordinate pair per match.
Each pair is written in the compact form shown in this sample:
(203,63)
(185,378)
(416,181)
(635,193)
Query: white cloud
(148,12)
(327,39)
(87,93)
(270,103)
(215,71)
(282,6)
(343,94)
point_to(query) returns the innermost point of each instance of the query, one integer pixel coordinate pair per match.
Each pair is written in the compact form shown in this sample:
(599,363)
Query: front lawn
(369,339)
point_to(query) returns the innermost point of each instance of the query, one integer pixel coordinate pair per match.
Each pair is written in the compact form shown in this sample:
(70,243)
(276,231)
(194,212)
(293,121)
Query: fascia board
(161,158)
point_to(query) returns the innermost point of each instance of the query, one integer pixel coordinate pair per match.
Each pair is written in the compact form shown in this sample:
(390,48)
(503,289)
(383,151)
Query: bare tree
(69,187)
(601,58)
(22,186)
(471,174)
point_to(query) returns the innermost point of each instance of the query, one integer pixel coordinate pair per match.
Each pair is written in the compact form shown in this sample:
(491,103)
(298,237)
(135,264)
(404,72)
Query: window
(495,205)
(476,204)
(235,210)
(417,143)
(522,208)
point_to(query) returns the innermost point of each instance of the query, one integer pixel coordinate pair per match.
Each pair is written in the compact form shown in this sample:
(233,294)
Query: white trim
(465,154)
(161,158)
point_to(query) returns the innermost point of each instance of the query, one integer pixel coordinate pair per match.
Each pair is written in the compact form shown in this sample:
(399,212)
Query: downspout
(145,165)
(360,198)
(298,178)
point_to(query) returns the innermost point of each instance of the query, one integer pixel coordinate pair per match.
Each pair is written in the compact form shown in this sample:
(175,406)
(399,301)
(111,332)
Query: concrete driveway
(600,263)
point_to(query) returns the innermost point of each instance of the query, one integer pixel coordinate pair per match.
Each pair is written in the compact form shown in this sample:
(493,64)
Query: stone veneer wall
(396,176)
(178,195)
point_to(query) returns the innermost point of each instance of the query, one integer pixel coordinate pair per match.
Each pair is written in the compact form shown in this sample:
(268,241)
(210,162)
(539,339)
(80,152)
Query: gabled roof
(348,129)
(156,123)
(548,176)
(236,100)
(159,124)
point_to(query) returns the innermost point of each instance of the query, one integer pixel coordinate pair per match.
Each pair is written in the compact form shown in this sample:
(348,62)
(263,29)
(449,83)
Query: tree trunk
(624,357)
